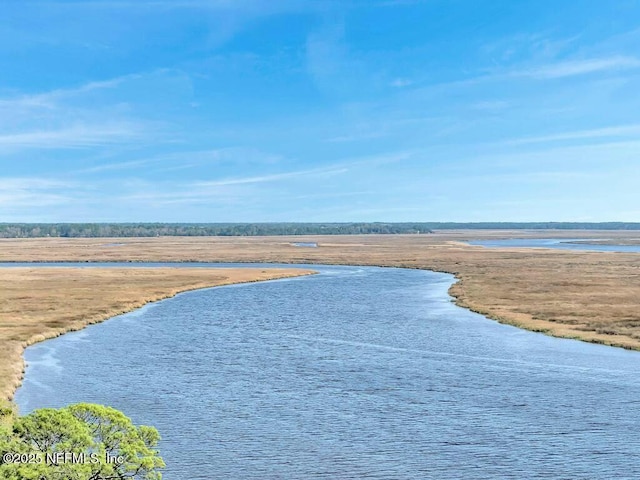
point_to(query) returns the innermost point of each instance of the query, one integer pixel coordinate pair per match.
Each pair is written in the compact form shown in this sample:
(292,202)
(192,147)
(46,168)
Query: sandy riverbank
(591,296)
(41,303)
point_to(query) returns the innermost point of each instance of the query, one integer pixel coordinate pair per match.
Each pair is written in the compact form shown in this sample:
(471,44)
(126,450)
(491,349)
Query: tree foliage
(105,230)
(79,442)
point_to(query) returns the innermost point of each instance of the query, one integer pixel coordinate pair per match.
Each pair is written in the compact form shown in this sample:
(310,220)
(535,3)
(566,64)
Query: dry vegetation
(39,303)
(620,241)
(593,296)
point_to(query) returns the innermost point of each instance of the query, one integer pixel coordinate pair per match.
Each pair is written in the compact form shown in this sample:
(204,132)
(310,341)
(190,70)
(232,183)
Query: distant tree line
(532,225)
(92,230)
(88,230)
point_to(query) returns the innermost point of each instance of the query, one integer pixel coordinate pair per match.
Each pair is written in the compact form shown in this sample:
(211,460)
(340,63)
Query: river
(358,372)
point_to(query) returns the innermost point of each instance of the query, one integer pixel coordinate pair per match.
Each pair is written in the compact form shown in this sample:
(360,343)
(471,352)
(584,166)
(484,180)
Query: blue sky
(319,110)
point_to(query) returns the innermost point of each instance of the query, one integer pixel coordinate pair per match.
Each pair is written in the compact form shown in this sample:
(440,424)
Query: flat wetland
(591,296)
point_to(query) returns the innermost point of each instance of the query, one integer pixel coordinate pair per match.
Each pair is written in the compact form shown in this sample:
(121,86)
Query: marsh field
(592,296)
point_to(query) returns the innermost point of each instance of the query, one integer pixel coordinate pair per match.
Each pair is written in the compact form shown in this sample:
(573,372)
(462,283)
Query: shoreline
(585,295)
(551,329)
(622,243)
(17,370)
(455,291)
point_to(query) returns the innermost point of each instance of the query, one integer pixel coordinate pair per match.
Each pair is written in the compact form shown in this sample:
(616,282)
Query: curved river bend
(363,373)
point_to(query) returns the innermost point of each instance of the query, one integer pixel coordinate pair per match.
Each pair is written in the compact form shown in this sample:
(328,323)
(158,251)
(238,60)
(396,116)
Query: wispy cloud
(632,130)
(109,167)
(172,195)
(572,68)
(328,61)
(538,46)
(356,137)
(74,137)
(30,183)
(316,172)
(613,158)
(250,7)
(50,98)
(191,159)
(246,191)
(402,82)
(490,105)
(66,118)
(336,195)
(141,4)
(546,71)
(29,192)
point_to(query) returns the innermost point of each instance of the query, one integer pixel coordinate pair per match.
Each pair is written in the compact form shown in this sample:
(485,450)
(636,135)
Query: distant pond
(562,244)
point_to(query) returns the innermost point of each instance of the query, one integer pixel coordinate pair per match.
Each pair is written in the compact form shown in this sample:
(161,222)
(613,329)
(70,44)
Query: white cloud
(51,98)
(579,67)
(316,172)
(616,159)
(25,192)
(190,159)
(548,71)
(74,137)
(490,105)
(248,8)
(328,60)
(28,183)
(632,130)
(113,166)
(67,118)
(356,137)
(402,82)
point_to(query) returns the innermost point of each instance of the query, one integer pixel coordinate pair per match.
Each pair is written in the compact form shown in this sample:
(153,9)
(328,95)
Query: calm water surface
(356,373)
(562,244)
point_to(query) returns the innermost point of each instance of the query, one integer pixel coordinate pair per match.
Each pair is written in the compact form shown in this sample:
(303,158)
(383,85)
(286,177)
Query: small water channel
(562,244)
